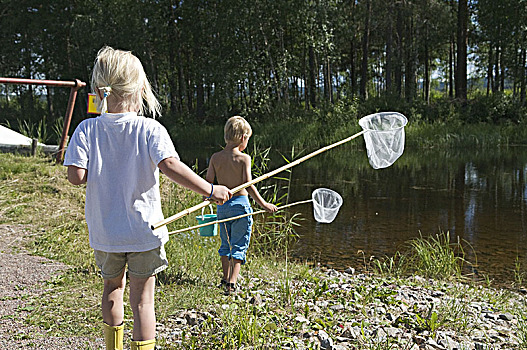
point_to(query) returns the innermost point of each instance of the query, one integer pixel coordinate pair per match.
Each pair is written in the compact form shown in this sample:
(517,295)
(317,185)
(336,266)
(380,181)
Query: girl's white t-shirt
(121,153)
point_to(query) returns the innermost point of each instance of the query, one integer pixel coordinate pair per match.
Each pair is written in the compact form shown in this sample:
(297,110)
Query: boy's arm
(253,192)
(76,175)
(184,176)
(211,172)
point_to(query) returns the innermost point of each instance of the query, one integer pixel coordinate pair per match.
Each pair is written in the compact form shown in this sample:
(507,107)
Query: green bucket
(210,230)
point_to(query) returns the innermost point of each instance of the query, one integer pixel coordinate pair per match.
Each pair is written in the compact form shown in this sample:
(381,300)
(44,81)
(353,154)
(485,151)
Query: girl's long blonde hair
(121,73)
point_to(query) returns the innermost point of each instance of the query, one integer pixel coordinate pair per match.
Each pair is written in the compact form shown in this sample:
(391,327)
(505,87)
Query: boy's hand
(220,194)
(271,208)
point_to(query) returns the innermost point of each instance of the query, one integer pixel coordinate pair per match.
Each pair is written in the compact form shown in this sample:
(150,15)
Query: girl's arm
(181,174)
(76,175)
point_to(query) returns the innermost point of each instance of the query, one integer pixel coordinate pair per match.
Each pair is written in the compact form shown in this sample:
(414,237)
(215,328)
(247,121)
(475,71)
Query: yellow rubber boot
(144,344)
(113,337)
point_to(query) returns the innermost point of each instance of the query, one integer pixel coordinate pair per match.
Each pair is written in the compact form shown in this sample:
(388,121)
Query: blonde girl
(118,156)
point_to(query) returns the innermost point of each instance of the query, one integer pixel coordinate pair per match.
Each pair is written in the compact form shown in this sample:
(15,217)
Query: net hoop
(384,137)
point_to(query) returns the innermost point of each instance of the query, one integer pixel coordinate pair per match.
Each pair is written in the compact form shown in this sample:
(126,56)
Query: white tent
(11,140)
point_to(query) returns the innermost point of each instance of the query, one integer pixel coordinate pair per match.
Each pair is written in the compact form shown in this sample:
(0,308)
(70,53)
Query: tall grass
(433,257)
(436,257)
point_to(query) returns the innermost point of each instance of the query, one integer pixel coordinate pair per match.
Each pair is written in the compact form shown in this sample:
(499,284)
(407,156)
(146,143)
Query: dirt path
(22,279)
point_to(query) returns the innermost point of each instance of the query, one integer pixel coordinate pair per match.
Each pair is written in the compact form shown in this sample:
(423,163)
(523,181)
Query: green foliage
(294,61)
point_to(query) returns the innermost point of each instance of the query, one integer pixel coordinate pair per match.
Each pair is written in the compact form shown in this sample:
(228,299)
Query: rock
(380,335)
(449,343)
(301,319)
(336,307)
(350,270)
(181,321)
(352,332)
(431,343)
(256,299)
(506,316)
(392,332)
(325,341)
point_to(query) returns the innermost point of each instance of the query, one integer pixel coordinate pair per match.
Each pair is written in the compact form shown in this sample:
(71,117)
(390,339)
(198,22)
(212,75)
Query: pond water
(478,196)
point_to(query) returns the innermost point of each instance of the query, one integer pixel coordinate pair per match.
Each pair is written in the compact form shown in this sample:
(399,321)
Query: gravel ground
(22,277)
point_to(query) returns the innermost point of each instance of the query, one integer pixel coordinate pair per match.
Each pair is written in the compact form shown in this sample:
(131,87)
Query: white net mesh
(326,204)
(384,137)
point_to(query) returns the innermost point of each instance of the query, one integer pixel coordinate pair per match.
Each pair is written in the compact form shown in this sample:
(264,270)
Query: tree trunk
(427,74)
(522,75)
(200,100)
(451,60)
(389,53)
(490,80)
(353,73)
(496,85)
(410,76)
(462,41)
(51,107)
(398,56)
(365,49)
(312,78)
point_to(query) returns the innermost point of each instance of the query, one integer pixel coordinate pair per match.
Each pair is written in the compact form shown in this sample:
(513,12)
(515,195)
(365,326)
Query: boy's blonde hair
(235,128)
(121,73)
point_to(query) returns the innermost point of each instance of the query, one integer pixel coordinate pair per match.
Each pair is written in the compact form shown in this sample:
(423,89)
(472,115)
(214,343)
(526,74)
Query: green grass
(35,192)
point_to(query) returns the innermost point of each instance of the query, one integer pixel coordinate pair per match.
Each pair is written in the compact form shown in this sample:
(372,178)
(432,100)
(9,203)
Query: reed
(436,257)
(430,257)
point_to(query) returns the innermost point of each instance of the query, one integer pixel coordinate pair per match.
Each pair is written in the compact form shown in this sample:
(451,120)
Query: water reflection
(476,196)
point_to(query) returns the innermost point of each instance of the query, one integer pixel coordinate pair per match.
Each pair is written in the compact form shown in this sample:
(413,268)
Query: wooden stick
(258,179)
(236,217)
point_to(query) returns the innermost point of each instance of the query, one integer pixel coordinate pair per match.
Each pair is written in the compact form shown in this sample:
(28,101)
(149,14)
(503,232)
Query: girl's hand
(220,194)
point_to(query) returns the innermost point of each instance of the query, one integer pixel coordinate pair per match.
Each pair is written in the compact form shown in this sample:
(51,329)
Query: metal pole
(67,119)
(74,85)
(42,82)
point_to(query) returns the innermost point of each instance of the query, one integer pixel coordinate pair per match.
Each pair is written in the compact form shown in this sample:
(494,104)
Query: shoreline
(368,311)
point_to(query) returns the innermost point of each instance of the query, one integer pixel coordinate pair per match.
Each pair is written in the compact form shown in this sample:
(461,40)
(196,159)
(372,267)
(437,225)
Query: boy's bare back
(231,168)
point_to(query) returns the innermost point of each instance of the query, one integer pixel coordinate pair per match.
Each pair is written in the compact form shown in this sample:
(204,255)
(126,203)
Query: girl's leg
(142,304)
(112,300)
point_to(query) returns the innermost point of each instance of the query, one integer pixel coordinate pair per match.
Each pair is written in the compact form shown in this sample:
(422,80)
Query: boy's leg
(226,267)
(235,271)
(112,300)
(142,304)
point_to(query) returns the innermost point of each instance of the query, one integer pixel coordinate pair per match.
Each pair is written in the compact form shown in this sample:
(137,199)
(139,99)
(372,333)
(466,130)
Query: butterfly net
(326,204)
(384,137)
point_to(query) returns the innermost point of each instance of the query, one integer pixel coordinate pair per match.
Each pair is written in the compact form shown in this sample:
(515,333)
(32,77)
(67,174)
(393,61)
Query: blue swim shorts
(235,234)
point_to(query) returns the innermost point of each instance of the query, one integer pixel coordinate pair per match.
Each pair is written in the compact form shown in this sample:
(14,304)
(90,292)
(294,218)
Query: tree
(462,42)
